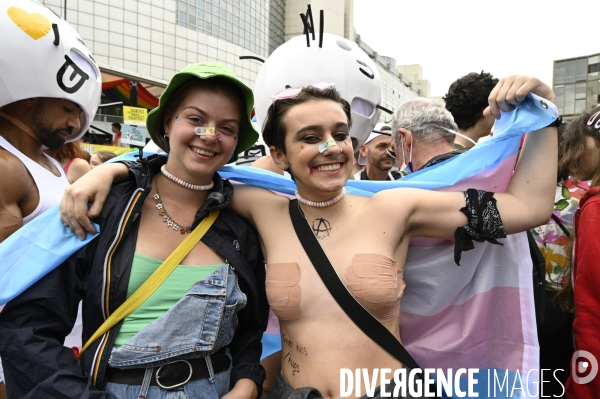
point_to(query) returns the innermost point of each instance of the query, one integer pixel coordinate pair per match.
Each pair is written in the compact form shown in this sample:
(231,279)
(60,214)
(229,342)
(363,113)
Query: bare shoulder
(14,178)
(267,163)
(397,198)
(80,164)
(78,168)
(253,202)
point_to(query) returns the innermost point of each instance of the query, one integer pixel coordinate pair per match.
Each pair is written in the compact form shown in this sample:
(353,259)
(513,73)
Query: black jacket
(33,325)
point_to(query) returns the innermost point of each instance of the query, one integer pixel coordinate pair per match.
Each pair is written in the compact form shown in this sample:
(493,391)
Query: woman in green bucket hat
(199,332)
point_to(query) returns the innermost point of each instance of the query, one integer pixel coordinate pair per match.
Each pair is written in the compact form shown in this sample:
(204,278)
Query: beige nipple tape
(283,290)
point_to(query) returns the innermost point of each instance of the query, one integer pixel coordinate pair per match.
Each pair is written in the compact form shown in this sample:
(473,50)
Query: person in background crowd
(266,162)
(466,99)
(99,157)
(580,149)
(116,129)
(375,156)
(356,167)
(424,130)
(87,157)
(72,159)
(554,241)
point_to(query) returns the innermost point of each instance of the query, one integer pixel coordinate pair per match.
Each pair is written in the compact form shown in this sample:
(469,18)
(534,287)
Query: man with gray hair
(423,130)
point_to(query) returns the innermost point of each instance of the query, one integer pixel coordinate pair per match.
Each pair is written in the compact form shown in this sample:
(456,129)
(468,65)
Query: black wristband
(129,164)
(557,122)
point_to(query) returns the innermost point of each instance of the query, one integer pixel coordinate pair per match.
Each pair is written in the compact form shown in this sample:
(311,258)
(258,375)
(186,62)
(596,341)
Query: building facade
(396,88)
(576,82)
(148,41)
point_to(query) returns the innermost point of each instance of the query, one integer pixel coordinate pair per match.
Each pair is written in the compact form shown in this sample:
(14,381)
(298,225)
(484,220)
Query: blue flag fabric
(34,250)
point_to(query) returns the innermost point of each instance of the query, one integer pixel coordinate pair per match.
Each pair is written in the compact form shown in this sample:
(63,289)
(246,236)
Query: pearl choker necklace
(323,204)
(177,180)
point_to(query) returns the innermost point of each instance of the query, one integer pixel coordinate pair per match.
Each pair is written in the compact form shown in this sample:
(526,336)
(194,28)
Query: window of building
(593,93)
(593,66)
(258,25)
(559,73)
(581,69)
(570,74)
(580,95)
(569,105)
(560,98)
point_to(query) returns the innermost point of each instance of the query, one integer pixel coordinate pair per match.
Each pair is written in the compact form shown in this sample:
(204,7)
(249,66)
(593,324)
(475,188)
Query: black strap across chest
(355,311)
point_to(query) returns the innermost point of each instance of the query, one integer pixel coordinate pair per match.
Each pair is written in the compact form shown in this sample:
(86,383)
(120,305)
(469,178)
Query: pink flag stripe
(492,179)
(481,333)
(430,273)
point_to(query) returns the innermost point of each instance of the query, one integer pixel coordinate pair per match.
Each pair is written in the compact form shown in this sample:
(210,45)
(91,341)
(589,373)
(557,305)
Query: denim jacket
(33,325)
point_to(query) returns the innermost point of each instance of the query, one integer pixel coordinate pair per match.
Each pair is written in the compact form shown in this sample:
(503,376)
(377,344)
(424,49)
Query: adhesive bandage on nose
(207,131)
(327,145)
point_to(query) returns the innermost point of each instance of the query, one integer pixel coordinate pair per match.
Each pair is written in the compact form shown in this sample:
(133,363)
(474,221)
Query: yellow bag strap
(155,280)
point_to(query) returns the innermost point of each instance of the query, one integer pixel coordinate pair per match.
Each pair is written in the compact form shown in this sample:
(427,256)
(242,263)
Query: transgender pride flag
(477,315)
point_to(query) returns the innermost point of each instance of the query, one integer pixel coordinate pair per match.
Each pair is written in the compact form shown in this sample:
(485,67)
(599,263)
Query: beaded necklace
(322,204)
(182,183)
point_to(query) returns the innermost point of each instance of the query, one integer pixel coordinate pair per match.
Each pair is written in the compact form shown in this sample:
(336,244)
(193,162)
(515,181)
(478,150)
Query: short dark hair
(468,97)
(117,125)
(274,128)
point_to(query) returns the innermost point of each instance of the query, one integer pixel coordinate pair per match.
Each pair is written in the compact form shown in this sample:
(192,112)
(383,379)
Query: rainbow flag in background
(119,90)
(478,315)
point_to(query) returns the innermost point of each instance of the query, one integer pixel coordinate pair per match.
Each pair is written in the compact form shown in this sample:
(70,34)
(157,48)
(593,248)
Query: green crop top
(166,295)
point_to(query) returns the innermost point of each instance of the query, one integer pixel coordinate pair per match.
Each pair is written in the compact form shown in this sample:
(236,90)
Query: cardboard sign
(135,116)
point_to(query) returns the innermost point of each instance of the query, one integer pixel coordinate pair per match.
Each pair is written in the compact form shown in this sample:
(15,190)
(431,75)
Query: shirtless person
(308,135)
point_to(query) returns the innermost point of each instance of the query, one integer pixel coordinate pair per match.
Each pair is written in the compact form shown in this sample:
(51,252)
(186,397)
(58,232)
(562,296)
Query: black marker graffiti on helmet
(77,72)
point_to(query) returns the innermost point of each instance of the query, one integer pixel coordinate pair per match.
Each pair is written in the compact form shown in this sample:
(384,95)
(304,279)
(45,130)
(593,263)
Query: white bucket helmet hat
(339,60)
(41,55)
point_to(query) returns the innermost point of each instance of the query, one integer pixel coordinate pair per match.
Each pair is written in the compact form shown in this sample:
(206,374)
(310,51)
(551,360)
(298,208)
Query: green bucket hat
(205,70)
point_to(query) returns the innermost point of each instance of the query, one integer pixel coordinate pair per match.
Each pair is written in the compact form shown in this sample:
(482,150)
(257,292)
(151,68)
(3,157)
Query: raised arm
(92,187)
(528,201)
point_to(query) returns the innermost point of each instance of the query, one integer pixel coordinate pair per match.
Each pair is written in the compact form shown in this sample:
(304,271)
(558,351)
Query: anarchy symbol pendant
(321,227)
